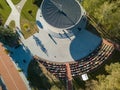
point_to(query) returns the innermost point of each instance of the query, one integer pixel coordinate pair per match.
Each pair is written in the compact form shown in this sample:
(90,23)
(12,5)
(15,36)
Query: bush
(26,27)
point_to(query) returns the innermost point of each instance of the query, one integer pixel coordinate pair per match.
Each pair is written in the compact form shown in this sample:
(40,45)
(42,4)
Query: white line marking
(9,73)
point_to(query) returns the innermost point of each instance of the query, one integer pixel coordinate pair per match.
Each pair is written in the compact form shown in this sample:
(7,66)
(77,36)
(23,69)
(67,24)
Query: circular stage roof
(62,14)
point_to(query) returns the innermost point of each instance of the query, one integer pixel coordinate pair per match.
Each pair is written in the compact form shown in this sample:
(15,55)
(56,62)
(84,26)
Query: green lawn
(15,1)
(29,5)
(4,10)
(28,16)
(12,25)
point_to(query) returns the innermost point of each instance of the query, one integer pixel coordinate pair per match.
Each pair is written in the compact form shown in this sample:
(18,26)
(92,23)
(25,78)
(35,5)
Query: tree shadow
(22,56)
(41,79)
(39,43)
(36,76)
(52,38)
(1,6)
(37,2)
(92,29)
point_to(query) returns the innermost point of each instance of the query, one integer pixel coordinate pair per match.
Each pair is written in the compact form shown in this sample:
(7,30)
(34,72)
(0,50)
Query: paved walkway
(20,5)
(68,71)
(69,77)
(15,14)
(10,75)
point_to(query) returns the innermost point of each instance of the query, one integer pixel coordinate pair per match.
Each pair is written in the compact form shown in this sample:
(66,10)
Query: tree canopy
(7,36)
(105,13)
(40,78)
(111,81)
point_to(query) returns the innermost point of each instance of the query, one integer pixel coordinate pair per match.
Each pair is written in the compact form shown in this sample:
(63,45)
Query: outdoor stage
(63,50)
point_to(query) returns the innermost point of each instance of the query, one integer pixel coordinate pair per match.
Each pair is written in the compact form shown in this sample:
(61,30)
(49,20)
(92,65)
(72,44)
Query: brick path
(0,88)
(69,77)
(9,73)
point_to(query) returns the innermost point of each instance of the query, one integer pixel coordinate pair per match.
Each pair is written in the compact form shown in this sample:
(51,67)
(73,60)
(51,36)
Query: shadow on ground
(21,56)
(39,43)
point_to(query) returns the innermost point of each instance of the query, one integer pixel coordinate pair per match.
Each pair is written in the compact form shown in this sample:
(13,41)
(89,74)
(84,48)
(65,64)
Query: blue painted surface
(84,43)
(39,24)
(21,56)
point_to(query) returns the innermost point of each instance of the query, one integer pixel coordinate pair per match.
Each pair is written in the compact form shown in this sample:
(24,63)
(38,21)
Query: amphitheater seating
(59,70)
(85,65)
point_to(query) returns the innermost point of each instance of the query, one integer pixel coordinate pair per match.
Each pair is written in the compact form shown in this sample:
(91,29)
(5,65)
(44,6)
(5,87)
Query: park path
(20,5)
(69,77)
(0,88)
(15,15)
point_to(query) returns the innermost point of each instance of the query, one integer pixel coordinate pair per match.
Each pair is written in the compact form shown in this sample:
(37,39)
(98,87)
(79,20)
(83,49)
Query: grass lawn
(28,16)
(12,25)
(15,1)
(32,28)
(4,10)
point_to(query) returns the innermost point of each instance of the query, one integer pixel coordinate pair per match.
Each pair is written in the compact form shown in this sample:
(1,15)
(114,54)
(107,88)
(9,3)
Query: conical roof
(61,13)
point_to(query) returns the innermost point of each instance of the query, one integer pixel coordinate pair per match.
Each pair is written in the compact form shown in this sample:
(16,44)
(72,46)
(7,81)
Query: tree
(42,79)
(111,81)
(8,37)
(37,2)
(30,12)
(106,14)
(0,20)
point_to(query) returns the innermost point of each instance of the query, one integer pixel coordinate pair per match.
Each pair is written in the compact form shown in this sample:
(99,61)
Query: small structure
(84,77)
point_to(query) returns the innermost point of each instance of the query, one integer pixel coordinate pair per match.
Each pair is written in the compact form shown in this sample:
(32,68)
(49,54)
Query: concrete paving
(20,5)
(62,50)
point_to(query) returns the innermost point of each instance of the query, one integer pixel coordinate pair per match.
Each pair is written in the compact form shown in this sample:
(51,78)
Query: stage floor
(63,50)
